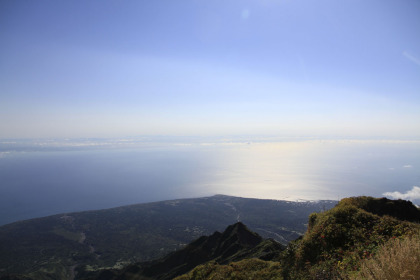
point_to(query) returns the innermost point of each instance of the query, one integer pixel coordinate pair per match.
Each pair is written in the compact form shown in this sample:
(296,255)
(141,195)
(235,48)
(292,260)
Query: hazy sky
(122,68)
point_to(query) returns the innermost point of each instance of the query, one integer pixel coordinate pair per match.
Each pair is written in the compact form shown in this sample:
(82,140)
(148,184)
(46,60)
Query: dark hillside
(67,245)
(401,209)
(237,241)
(338,243)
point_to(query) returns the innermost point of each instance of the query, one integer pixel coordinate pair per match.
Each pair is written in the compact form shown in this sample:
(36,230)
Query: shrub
(245,269)
(397,259)
(339,240)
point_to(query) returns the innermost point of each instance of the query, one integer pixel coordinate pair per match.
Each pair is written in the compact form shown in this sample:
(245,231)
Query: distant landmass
(74,245)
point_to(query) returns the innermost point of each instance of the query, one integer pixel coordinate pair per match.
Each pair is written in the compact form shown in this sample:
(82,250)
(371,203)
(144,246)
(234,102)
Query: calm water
(43,181)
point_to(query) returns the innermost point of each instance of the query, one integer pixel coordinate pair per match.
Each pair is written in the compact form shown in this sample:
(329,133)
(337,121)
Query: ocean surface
(43,178)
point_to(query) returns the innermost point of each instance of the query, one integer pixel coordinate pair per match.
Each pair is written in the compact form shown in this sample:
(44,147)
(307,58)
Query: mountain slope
(61,246)
(236,242)
(337,244)
(244,269)
(400,209)
(337,240)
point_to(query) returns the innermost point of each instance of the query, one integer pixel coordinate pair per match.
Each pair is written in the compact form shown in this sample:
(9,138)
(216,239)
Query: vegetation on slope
(337,240)
(235,243)
(360,238)
(245,269)
(68,244)
(401,209)
(397,259)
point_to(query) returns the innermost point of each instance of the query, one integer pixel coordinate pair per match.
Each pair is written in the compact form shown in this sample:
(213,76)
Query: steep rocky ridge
(235,243)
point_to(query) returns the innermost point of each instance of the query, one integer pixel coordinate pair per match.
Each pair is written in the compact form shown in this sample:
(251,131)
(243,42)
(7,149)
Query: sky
(291,68)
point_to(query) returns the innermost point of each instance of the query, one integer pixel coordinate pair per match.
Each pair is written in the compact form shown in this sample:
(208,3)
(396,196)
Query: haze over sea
(44,177)
(319,100)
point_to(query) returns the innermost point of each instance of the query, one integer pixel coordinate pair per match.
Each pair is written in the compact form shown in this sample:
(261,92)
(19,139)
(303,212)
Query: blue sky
(292,68)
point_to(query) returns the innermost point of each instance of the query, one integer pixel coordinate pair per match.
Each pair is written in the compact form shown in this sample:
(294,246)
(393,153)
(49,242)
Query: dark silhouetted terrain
(68,245)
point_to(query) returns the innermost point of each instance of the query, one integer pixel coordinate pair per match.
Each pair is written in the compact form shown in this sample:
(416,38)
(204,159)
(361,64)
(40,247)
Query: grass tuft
(397,259)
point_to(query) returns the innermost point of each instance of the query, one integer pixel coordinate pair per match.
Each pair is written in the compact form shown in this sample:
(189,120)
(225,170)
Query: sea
(41,177)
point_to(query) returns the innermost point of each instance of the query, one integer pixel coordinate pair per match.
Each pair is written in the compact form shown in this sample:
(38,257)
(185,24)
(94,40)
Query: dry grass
(397,259)
(248,269)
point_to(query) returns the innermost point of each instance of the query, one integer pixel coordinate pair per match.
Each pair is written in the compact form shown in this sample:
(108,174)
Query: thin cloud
(412,194)
(408,166)
(245,14)
(412,58)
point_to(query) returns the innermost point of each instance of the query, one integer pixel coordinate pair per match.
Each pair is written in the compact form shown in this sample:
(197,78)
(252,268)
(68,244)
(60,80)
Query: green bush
(340,239)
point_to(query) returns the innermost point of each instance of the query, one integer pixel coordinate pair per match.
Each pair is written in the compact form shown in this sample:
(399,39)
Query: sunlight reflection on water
(316,169)
(38,183)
